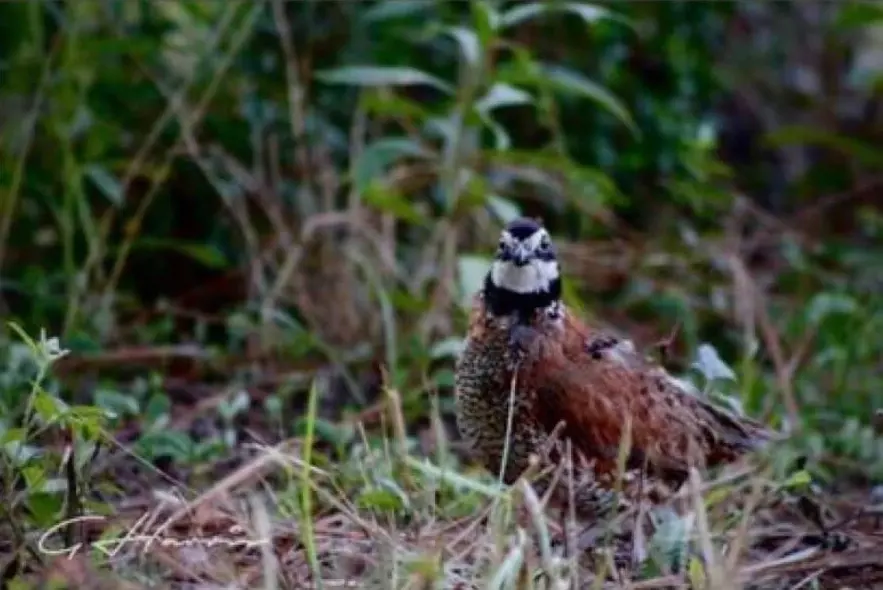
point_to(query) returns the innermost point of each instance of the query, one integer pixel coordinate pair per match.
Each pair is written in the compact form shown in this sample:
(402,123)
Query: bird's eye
(545,245)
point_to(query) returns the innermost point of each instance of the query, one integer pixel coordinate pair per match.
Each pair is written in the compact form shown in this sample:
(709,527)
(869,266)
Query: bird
(586,384)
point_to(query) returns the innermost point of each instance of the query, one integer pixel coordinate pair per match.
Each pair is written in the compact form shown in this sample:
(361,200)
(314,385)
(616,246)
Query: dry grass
(458,530)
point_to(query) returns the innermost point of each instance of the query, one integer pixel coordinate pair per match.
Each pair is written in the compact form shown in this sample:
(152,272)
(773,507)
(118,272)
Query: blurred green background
(229,201)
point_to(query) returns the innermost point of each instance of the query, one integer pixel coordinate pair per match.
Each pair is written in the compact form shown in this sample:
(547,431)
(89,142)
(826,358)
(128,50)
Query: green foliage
(43,483)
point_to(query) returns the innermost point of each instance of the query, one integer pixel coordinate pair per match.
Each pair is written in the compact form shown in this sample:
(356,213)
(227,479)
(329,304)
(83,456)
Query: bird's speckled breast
(482,394)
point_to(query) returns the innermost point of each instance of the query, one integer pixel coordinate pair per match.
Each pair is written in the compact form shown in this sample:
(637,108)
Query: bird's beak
(521,256)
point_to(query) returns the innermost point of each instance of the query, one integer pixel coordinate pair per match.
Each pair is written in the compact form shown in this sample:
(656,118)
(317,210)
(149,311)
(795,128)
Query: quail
(577,381)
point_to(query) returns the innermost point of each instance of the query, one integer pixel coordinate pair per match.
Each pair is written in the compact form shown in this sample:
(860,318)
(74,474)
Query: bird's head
(525,262)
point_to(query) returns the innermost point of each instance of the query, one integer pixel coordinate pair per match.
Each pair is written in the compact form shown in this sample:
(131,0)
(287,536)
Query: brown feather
(596,394)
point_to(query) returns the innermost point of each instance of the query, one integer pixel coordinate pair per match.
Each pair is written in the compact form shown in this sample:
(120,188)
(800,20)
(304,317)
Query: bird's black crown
(523,227)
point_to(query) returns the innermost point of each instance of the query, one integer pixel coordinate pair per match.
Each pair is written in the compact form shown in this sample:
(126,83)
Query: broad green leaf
(472,270)
(104,181)
(388,200)
(502,142)
(571,81)
(156,412)
(176,445)
(34,476)
(487,21)
(32,345)
(45,508)
(119,403)
(800,479)
(47,406)
(859,14)
(469,44)
(588,187)
(447,348)
(590,13)
(391,9)
(696,573)
(502,95)
(709,363)
(379,154)
(669,543)
(336,434)
(377,499)
(391,105)
(499,95)
(382,76)
(13,435)
(20,453)
(443,378)
(824,304)
(504,209)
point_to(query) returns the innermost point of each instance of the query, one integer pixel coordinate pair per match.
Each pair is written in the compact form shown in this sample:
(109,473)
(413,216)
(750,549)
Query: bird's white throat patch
(534,277)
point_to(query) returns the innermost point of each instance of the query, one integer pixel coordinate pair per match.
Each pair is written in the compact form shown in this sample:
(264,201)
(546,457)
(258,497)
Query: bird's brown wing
(595,397)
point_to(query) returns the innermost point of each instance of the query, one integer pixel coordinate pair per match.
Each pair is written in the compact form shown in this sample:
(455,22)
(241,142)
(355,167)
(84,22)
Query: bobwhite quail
(570,373)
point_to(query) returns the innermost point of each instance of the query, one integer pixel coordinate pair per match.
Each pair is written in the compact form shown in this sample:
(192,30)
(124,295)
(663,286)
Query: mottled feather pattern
(595,394)
(482,395)
(592,382)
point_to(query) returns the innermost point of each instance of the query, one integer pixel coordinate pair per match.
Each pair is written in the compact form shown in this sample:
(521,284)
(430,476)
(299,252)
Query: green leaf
(383,500)
(486,18)
(34,476)
(588,188)
(176,445)
(503,209)
(568,80)
(502,95)
(395,9)
(35,348)
(47,406)
(858,15)
(471,270)
(382,76)
(709,363)
(469,44)
(391,105)
(119,403)
(447,348)
(588,12)
(381,153)
(45,508)
(696,573)
(668,544)
(203,253)
(13,435)
(867,153)
(106,182)
(799,480)
(157,410)
(823,305)
(499,95)
(388,200)
(443,378)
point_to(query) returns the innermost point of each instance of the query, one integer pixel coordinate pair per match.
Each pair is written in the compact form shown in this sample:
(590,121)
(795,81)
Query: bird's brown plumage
(595,383)
(571,373)
(482,397)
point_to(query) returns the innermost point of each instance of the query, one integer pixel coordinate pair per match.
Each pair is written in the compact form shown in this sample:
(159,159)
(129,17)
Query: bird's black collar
(504,302)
